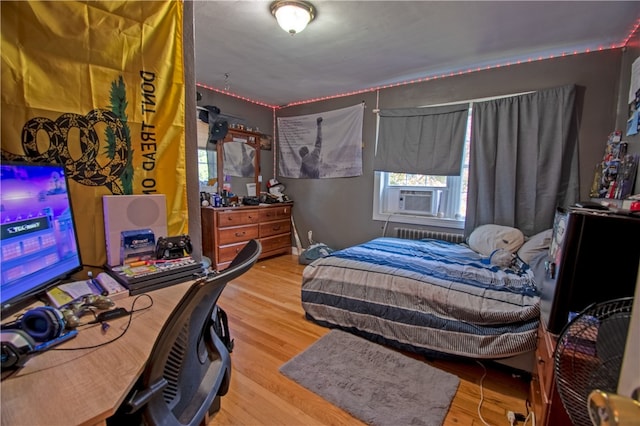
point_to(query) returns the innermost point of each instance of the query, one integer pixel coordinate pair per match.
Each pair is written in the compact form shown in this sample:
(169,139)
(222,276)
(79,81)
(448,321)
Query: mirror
(239,162)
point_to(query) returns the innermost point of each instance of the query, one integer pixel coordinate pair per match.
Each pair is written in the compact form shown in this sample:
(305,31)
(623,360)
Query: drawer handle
(240,234)
(276,228)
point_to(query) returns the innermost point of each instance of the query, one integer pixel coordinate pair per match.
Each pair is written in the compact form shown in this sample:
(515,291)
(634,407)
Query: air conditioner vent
(423,201)
(419,201)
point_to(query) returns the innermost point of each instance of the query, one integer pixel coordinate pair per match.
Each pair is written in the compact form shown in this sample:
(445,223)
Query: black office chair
(190,367)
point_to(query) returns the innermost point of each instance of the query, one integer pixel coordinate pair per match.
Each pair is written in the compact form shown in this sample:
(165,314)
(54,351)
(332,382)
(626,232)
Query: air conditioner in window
(416,201)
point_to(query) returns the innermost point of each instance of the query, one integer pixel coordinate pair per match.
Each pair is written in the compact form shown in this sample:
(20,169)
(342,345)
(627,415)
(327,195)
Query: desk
(85,387)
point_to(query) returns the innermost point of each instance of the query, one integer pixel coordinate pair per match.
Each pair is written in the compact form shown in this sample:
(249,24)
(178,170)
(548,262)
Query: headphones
(20,338)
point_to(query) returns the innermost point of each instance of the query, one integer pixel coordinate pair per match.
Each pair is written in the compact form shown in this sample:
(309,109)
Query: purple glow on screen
(38,243)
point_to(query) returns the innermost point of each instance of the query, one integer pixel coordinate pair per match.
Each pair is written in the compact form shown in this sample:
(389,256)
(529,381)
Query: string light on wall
(432,77)
(293,15)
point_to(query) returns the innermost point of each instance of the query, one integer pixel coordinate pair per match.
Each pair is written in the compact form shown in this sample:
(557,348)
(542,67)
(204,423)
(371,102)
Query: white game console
(131,212)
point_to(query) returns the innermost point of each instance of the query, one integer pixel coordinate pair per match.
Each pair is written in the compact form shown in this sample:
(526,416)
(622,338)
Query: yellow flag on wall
(99,87)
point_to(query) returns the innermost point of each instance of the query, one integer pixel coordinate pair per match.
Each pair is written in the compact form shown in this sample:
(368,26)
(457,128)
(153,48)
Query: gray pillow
(535,245)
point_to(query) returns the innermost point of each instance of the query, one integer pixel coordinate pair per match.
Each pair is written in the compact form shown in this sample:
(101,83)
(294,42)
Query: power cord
(512,417)
(530,415)
(105,325)
(384,228)
(482,393)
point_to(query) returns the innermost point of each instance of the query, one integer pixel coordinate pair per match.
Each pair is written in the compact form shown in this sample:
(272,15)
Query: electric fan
(589,354)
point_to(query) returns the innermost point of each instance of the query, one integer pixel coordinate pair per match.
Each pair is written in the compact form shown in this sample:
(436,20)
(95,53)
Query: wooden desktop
(85,387)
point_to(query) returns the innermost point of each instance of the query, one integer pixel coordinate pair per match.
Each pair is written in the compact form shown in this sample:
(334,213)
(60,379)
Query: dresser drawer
(544,367)
(237,234)
(274,228)
(229,252)
(275,213)
(281,243)
(237,217)
(539,407)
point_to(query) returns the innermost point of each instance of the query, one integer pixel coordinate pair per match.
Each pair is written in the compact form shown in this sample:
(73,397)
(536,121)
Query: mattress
(425,295)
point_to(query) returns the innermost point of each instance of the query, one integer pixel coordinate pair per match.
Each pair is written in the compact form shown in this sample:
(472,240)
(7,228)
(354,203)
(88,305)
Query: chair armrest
(140,398)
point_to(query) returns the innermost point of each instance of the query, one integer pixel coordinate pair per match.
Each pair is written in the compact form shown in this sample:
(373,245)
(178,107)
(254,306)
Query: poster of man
(322,145)
(238,159)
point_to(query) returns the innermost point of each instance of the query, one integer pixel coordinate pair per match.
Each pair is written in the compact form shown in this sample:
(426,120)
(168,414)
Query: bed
(427,296)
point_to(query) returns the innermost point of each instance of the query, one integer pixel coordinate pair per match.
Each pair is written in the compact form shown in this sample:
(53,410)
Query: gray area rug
(373,383)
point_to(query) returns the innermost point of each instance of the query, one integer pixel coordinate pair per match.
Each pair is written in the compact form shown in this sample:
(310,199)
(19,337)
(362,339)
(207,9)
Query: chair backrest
(189,365)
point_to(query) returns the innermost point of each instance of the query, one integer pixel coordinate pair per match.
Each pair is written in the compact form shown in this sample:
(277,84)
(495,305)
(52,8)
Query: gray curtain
(421,140)
(523,160)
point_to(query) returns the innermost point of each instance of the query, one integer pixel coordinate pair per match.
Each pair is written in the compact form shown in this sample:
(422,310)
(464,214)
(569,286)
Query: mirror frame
(250,138)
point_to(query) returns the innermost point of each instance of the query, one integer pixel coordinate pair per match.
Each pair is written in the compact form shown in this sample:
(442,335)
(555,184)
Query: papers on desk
(65,293)
(113,288)
(78,289)
(103,283)
(58,297)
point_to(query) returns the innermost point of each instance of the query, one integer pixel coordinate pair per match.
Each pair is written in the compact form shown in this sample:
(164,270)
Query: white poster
(238,159)
(322,145)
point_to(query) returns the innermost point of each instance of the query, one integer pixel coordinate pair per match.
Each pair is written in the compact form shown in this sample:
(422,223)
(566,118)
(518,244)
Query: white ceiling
(353,46)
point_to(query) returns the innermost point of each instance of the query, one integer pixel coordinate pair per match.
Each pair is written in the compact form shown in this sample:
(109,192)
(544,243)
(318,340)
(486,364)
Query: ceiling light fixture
(293,15)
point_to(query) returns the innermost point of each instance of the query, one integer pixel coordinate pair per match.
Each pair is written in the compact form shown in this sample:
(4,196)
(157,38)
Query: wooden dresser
(225,231)
(547,405)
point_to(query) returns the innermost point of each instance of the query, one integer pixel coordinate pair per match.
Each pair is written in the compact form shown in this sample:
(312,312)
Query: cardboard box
(136,245)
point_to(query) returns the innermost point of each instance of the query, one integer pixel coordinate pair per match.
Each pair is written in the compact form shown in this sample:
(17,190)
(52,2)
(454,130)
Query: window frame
(408,218)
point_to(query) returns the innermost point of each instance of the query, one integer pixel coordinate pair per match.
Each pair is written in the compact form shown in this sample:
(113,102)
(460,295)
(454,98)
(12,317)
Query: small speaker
(131,212)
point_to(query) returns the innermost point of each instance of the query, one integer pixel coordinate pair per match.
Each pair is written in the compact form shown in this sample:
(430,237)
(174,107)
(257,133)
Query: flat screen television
(38,239)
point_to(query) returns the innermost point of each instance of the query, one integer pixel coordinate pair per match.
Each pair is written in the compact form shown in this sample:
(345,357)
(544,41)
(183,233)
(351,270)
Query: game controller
(72,311)
(173,247)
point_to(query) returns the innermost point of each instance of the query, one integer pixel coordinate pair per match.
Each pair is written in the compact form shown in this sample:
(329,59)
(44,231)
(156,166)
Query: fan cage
(589,354)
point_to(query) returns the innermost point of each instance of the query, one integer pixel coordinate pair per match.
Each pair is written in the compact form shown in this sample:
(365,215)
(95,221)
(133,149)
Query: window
(424,199)
(203,166)
(207,157)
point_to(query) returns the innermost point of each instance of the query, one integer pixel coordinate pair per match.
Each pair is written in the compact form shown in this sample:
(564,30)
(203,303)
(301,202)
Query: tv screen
(38,241)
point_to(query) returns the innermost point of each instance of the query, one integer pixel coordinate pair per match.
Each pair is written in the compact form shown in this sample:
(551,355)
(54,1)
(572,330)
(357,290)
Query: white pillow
(485,239)
(535,245)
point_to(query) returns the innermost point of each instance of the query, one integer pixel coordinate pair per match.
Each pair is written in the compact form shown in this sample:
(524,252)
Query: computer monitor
(38,239)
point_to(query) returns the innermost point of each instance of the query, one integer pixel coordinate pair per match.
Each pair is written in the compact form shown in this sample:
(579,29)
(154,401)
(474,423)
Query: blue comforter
(425,294)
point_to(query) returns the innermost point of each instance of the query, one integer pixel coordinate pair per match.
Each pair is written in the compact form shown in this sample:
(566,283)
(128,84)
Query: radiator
(416,234)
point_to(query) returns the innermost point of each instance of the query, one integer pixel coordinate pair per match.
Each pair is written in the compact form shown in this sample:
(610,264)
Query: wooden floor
(268,326)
